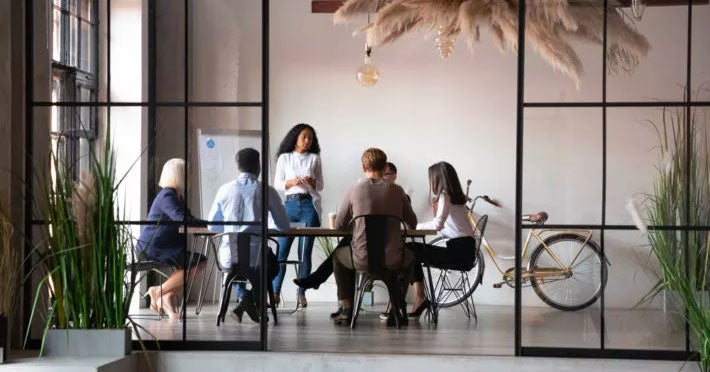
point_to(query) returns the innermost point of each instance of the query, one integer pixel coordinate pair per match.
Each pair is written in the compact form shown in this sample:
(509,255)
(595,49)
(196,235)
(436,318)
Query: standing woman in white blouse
(300,175)
(450,220)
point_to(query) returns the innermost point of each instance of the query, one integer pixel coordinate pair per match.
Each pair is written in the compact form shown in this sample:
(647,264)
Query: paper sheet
(209,154)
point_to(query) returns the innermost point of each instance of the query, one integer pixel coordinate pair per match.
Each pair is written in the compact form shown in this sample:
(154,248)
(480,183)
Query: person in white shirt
(299,175)
(240,200)
(450,220)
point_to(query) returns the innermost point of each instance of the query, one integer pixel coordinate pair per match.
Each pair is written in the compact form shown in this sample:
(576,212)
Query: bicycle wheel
(577,288)
(453,287)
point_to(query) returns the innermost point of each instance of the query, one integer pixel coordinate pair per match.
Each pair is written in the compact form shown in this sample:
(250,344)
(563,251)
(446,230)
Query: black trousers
(254,276)
(459,254)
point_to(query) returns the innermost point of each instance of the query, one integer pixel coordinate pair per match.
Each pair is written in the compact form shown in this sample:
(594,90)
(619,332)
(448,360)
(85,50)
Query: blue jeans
(298,211)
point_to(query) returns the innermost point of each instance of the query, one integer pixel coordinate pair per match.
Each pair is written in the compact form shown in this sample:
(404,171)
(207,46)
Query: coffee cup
(331,219)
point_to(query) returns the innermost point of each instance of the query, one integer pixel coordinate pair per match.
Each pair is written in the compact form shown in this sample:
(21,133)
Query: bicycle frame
(540,273)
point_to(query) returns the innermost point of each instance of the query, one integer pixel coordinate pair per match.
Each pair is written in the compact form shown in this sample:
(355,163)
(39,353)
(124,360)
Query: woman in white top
(450,220)
(299,174)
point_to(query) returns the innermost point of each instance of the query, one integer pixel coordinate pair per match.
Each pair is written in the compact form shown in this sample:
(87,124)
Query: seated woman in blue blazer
(164,243)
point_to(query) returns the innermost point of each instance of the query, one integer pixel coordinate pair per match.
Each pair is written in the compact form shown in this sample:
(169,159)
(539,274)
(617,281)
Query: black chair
(378,230)
(240,270)
(143,268)
(462,287)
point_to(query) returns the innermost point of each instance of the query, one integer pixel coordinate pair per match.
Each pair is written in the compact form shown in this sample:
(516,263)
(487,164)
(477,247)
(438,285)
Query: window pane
(56,111)
(84,118)
(170,53)
(84,94)
(61,152)
(563,180)
(636,316)
(84,114)
(225,68)
(661,74)
(84,158)
(127,52)
(57,35)
(86,49)
(128,138)
(700,69)
(57,89)
(73,41)
(52,170)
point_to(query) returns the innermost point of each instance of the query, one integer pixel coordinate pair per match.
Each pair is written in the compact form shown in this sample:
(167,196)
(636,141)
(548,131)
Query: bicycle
(566,269)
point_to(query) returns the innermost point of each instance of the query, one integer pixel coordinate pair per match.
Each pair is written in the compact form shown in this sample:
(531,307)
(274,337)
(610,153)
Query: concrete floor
(311,330)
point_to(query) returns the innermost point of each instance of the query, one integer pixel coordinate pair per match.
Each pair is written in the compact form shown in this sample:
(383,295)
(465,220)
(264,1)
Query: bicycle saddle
(539,217)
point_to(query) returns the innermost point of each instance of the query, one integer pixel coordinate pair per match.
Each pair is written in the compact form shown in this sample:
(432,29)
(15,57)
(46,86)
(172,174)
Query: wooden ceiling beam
(325,6)
(330,6)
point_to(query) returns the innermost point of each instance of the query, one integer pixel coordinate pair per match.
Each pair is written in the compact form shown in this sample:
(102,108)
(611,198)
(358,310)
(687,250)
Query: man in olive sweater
(374,195)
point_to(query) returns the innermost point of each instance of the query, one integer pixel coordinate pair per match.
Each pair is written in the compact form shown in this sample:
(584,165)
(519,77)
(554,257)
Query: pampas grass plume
(635,214)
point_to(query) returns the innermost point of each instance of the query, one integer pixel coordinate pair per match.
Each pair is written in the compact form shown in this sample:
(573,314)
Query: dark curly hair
(289,142)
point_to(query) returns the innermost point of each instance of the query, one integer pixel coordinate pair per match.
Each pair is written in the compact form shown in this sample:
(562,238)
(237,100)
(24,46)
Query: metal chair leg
(434,307)
(397,310)
(359,293)
(204,281)
(272,304)
(224,300)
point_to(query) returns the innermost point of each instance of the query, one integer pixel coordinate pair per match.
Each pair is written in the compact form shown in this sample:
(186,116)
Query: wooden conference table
(202,239)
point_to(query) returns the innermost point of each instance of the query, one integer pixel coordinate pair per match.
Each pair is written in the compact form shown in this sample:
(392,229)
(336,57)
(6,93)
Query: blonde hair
(173,175)
(374,159)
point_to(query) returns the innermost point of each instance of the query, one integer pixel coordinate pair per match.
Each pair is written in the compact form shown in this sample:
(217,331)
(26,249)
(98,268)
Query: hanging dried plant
(551,26)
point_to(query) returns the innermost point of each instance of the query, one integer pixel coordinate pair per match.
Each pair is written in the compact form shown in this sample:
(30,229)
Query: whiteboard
(216,159)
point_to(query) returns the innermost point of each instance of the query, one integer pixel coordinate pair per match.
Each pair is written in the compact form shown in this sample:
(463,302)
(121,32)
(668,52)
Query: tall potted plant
(83,262)
(10,266)
(683,256)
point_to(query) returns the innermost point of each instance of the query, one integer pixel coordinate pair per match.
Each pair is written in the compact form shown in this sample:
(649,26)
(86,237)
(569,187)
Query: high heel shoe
(153,302)
(420,309)
(306,283)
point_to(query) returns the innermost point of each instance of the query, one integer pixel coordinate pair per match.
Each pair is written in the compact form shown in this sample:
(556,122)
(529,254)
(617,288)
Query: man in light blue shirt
(240,200)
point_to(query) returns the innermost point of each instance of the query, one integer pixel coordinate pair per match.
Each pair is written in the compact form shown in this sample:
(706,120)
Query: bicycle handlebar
(484,197)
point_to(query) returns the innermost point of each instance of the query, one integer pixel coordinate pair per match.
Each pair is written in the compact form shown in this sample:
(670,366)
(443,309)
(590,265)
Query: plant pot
(88,342)
(368,298)
(3,338)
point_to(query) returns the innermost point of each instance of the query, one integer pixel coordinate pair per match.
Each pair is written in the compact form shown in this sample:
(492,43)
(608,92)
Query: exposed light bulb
(367,74)
(637,9)
(444,44)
